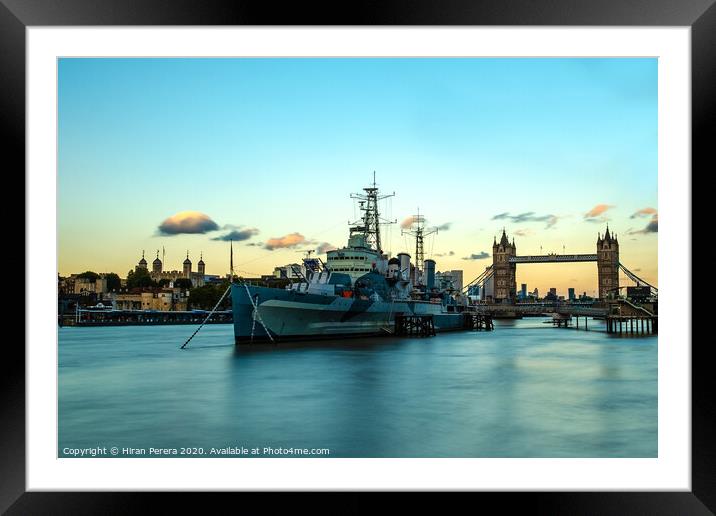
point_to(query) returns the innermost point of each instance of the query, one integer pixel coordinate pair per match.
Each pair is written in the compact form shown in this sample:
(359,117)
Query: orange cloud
(290,240)
(407,222)
(597,211)
(644,212)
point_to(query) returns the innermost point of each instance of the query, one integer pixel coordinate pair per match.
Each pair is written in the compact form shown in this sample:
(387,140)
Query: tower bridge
(502,272)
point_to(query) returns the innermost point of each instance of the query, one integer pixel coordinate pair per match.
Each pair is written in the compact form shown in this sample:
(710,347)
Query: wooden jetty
(627,318)
(477,321)
(561,320)
(632,324)
(414,325)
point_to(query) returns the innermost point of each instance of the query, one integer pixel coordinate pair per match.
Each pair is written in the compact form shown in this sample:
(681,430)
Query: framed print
(414,250)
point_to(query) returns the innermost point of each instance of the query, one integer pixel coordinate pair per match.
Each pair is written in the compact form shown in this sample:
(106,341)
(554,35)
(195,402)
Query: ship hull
(289,315)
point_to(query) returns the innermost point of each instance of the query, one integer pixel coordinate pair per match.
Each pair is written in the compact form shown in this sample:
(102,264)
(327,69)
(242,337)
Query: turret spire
(504,240)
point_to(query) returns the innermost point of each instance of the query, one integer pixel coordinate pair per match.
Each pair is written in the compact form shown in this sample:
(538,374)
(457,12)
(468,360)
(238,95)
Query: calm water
(524,390)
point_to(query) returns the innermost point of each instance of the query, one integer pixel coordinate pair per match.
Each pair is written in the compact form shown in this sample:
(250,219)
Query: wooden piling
(414,325)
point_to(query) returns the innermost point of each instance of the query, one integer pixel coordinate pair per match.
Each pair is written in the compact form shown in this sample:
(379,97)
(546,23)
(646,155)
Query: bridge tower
(505,272)
(607,264)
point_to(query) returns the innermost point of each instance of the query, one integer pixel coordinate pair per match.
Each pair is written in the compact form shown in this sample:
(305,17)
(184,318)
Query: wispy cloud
(444,227)
(651,227)
(449,253)
(528,216)
(523,232)
(237,235)
(286,241)
(479,256)
(187,222)
(324,247)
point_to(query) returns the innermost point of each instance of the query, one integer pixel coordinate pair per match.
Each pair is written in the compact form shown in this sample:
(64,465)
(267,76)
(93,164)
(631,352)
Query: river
(524,390)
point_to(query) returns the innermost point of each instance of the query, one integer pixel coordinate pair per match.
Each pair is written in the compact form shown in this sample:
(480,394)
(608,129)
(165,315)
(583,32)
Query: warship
(358,291)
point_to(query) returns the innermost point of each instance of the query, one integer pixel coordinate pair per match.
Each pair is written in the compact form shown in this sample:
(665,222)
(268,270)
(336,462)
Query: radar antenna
(369,223)
(418,230)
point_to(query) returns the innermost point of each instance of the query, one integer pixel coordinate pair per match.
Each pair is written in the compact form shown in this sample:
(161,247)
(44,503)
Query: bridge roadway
(553,258)
(582,309)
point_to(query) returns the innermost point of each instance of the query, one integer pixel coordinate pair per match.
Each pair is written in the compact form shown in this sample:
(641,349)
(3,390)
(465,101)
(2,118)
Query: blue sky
(277,145)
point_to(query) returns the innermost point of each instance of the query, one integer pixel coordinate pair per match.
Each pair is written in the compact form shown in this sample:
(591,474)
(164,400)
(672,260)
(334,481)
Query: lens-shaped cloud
(187,222)
(286,241)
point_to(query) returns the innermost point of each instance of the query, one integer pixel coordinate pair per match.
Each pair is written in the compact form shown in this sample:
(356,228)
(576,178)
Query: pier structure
(561,320)
(627,318)
(94,317)
(622,317)
(632,325)
(477,321)
(414,325)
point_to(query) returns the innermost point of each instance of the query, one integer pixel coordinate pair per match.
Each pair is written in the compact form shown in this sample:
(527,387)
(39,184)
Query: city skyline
(185,154)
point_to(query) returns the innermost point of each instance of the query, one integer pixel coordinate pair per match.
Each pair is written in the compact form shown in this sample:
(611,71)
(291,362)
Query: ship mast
(419,232)
(231,261)
(371,221)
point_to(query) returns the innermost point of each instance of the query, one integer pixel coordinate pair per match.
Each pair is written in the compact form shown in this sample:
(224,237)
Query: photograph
(357,257)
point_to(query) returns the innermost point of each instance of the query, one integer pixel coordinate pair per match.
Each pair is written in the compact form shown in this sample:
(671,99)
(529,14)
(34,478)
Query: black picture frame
(16,15)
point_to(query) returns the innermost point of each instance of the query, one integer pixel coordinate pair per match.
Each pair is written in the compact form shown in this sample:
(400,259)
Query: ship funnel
(404,266)
(429,268)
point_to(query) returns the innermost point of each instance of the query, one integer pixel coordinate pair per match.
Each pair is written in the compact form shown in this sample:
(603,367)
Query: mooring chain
(253,323)
(257,314)
(207,317)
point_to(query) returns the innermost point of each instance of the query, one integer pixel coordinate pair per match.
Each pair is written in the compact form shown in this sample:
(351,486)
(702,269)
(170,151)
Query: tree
(92,276)
(113,281)
(140,278)
(206,297)
(183,283)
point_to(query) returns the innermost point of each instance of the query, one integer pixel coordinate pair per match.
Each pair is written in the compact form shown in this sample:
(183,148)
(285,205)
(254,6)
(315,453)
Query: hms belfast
(358,291)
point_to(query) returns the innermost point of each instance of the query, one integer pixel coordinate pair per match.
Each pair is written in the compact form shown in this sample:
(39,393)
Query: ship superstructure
(364,252)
